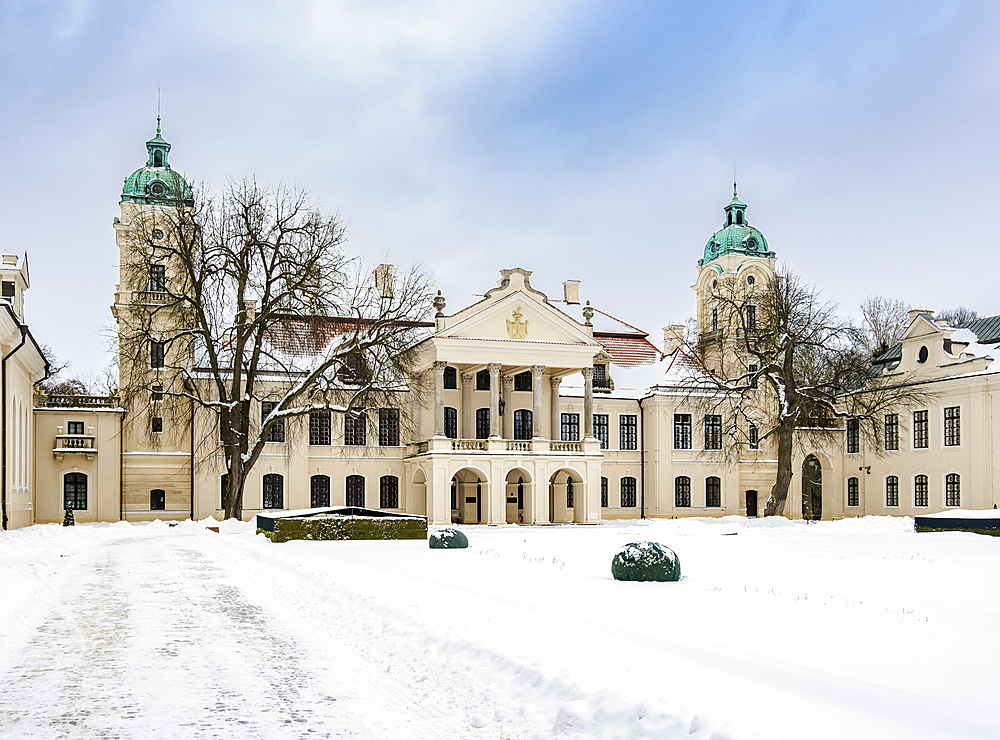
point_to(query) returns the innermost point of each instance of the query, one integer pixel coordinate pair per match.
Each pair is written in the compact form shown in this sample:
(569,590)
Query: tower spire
(734,177)
(158,115)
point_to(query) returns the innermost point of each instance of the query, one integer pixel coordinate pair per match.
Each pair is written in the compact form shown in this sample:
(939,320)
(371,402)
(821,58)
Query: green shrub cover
(646,561)
(347,528)
(448,539)
(68,520)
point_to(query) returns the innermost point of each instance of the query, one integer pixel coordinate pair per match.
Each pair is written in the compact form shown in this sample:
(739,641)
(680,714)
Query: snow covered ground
(778,629)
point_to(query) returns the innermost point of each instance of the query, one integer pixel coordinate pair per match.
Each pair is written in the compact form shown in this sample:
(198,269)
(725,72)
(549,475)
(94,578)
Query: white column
(554,384)
(537,373)
(588,402)
(508,409)
(468,430)
(494,399)
(439,367)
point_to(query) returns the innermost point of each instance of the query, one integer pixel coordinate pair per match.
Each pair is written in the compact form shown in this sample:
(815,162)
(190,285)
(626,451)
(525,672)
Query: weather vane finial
(157,111)
(734,177)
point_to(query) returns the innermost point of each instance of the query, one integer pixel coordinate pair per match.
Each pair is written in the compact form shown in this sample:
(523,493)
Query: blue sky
(588,140)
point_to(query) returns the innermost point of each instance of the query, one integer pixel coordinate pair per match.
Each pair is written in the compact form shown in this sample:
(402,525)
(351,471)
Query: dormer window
(739,217)
(157,159)
(8,289)
(729,219)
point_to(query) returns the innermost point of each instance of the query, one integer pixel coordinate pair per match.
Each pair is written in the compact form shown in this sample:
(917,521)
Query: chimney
(571,292)
(383,281)
(914,312)
(673,337)
(10,259)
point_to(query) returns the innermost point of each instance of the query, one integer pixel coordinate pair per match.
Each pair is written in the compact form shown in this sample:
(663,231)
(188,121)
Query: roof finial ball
(439,304)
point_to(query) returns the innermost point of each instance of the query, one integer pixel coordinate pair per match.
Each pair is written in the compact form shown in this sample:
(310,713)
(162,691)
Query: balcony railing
(518,445)
(150,297)
(76,402)
(495,445)
(478,445)
(70,444)
(566,446)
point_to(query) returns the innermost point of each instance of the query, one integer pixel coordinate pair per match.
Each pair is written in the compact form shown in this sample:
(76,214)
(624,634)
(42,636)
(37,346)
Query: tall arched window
(388,489)
(522,424)
(319,491)
(569,493)
(482,423)
(892,491)
(450,422)
(953,490)
(853,492)
(739,217)
(450,377)
(920,490)
(355,490)
(628,492)
(604,492)
(75,491)
(274,491)
(682,491)
(713,491)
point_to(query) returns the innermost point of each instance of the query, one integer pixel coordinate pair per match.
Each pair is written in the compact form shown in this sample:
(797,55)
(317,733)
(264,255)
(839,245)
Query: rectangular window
(853,436)
(570,427)
(953,490)
(157,278)
(713,432)
(522,424)
(628,492)
(354,430)
(277,431)
(8,289)
(853,496)
(751,318)
(753,435)
(388,492)
(892,491)
(274,491)
(319,427)
(482,423)
(752,372)
(74,427)
(682,491)
(75,491)
(157,393)
(891,432)
(483,380)
(601,376)
(601,429)
(157,500)
(450,422)
(604,493)
(682,431)
(157,424)
(522,381)
(628,432)
(952,427)
(920,430)
(713,491)
(157,354)
(920,490)
(388,428)
(715,319)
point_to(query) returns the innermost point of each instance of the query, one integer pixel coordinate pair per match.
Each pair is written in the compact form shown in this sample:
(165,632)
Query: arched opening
(739,218)
(517,496)
(157,159)
(812,488)
(274,491)
(319,491)
(565,495)
(417,496)
(75,491)
(468,488)
(354,490)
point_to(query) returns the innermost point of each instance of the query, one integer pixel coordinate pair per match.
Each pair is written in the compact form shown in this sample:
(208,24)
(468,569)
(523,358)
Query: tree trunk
(779,491)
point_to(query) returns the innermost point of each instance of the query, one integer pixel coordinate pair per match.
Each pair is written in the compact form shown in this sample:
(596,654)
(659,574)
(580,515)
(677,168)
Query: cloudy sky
(581,140)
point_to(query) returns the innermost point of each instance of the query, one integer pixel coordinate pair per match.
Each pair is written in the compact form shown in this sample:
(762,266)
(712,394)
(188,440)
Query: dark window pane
(892,432)
(157,278)
(570,431)
(892,491)
(753,434)
(355,430)
(277,431)
(852,492)
(482,423)
(601,429)
(388,487)
(682,491)
(569,493)
(319,491)
(355,490)
(157,500)
(853,436)
(157,424)
(274,491)
(604,493)
(713,491)
(628,492)
(157,354)
(483,380)
(627,432)
(920,490)
(388,427)
(952,427)
(74,427)
(75,491)
(522,381)
(953,490)
(713,432)
(920,430)
(682,431)
(450,377)
(450,422)
(522,424)
(319,428)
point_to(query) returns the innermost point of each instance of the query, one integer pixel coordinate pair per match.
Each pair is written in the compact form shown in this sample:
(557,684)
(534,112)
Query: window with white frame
(952,427)
(920,490)
(892,491)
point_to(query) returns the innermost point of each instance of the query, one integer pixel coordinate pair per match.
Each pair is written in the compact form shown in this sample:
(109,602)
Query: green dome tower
(157,183)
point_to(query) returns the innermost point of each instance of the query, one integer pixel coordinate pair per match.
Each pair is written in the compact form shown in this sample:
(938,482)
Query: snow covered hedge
(448,539)
(347,528)
(646,561)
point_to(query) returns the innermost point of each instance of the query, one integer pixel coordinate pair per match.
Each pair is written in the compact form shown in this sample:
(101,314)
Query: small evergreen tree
(68,520)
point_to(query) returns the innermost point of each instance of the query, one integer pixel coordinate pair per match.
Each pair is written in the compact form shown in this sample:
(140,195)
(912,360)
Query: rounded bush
(448,539)
(646,561)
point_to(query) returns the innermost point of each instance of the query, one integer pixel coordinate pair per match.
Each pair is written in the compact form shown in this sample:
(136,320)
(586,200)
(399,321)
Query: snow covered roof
(627,345)
(311,335)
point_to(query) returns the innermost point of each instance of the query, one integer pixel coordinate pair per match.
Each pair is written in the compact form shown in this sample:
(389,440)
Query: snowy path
(158,641)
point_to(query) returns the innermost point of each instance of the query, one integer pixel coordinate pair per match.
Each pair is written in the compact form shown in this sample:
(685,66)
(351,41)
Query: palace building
(541,409)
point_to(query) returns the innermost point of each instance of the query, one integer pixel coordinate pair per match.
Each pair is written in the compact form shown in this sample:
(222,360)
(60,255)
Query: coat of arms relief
(517,329)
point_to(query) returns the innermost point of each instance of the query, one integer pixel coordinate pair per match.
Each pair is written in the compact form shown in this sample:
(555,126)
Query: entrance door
(812,489)
(751,503)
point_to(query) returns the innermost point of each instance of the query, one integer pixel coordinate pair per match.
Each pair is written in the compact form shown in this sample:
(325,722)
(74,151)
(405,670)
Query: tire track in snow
(159,643)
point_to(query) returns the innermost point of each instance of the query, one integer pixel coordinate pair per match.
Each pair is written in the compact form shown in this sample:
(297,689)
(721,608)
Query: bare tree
(957,316)
(883,321)
(795,372)
(249,298)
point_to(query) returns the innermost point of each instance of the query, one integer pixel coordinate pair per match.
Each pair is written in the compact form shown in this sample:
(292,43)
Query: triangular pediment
(518,315)
(921,325)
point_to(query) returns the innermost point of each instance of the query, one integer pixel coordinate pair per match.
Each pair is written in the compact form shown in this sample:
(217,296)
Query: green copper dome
(156,182)
(736,235)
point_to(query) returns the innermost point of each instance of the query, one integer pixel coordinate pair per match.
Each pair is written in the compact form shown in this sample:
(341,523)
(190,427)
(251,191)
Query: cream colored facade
(607,436)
